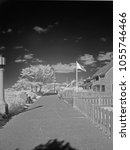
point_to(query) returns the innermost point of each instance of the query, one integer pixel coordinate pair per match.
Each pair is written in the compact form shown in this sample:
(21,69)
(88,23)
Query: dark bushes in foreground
(14,110)
(54,145)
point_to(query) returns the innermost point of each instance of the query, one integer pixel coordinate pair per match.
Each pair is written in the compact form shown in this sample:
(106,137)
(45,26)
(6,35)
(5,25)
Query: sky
(56,33)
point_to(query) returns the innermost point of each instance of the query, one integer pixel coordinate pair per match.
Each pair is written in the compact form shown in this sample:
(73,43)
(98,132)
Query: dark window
(103,88)
(97,78)
(102,75)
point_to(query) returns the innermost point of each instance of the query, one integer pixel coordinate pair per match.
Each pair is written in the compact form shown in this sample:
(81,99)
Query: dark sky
(56,33)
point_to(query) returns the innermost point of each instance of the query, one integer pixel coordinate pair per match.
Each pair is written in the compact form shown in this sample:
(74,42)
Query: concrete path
(51,118)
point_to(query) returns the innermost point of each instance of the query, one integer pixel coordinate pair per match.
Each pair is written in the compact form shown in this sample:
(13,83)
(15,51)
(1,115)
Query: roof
(102,71)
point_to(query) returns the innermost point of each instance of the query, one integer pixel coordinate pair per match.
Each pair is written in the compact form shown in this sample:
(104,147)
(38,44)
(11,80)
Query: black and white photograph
(56,75)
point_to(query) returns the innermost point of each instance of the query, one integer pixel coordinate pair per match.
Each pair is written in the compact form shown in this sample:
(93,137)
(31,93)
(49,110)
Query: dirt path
(51,118)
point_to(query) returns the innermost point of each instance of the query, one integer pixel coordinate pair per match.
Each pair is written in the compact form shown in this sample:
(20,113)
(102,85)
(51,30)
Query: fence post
(99,121)
(103,117)
(111,124)
(107,122)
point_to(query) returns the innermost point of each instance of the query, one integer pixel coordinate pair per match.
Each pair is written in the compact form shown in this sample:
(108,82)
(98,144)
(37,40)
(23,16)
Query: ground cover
(17,103)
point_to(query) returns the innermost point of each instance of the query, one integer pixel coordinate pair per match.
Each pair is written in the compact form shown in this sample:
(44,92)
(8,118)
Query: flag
(78,66)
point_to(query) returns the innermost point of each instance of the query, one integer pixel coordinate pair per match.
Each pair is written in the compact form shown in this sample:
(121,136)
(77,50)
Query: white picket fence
(98,107)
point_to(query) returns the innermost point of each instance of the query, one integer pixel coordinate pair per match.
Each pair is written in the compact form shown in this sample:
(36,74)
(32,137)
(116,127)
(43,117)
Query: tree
(22,84)
(34,77)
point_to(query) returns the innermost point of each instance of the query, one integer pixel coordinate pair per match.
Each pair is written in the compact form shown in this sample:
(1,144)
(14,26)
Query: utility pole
(3,104)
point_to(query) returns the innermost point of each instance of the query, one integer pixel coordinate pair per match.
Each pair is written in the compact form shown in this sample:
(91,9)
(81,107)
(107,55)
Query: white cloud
(26,50)
(9,30)
(105,56)
(87,59)
(28,56)
(25,58)
(19,60)
(64,68)
(40,29)
(36,60)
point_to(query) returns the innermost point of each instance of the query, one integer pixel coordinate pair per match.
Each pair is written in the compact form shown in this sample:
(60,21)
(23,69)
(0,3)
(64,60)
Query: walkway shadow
(3,121)
(29,109)
(48,94)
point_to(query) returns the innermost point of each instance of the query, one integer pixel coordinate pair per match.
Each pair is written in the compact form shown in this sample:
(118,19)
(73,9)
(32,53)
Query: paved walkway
(51,118)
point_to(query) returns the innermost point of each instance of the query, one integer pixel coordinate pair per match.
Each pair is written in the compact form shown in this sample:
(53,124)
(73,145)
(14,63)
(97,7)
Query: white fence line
(98,108)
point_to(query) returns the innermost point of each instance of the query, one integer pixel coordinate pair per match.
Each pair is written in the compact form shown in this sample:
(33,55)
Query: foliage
(34,77)
(54,145)
(22,84)
(14,98)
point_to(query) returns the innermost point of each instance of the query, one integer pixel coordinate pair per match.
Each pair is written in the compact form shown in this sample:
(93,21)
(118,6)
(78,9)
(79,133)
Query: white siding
(107,80)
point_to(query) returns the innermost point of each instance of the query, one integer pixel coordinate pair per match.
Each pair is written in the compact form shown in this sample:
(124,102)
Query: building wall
(106,81)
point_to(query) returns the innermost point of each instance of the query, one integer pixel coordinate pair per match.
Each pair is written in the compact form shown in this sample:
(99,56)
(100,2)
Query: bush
(15,103)
(15,98)
(54,145)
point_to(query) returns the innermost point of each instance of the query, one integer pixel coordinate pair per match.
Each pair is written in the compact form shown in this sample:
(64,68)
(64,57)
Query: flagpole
(76,78)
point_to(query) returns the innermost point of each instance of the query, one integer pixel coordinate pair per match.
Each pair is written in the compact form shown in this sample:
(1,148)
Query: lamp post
(54,78)
(3,104)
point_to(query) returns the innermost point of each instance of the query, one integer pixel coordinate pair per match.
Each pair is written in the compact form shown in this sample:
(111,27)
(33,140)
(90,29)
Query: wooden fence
(96,106)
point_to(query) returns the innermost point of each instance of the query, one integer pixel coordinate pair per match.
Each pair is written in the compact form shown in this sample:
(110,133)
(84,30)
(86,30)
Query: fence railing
(98,107)
(98,98)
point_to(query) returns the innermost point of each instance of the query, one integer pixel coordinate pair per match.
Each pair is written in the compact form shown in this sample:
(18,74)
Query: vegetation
(34,78)
(30,83)
(16,101)
(54,145)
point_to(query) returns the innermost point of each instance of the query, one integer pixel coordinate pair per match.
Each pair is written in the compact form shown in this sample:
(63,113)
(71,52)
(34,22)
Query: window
(97,78)
(102,75)
(98,88)
(103,88)
(94,88)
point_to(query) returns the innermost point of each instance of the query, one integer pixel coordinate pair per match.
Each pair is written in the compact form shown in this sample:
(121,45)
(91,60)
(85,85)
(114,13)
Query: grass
(16,101)
(14,110)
